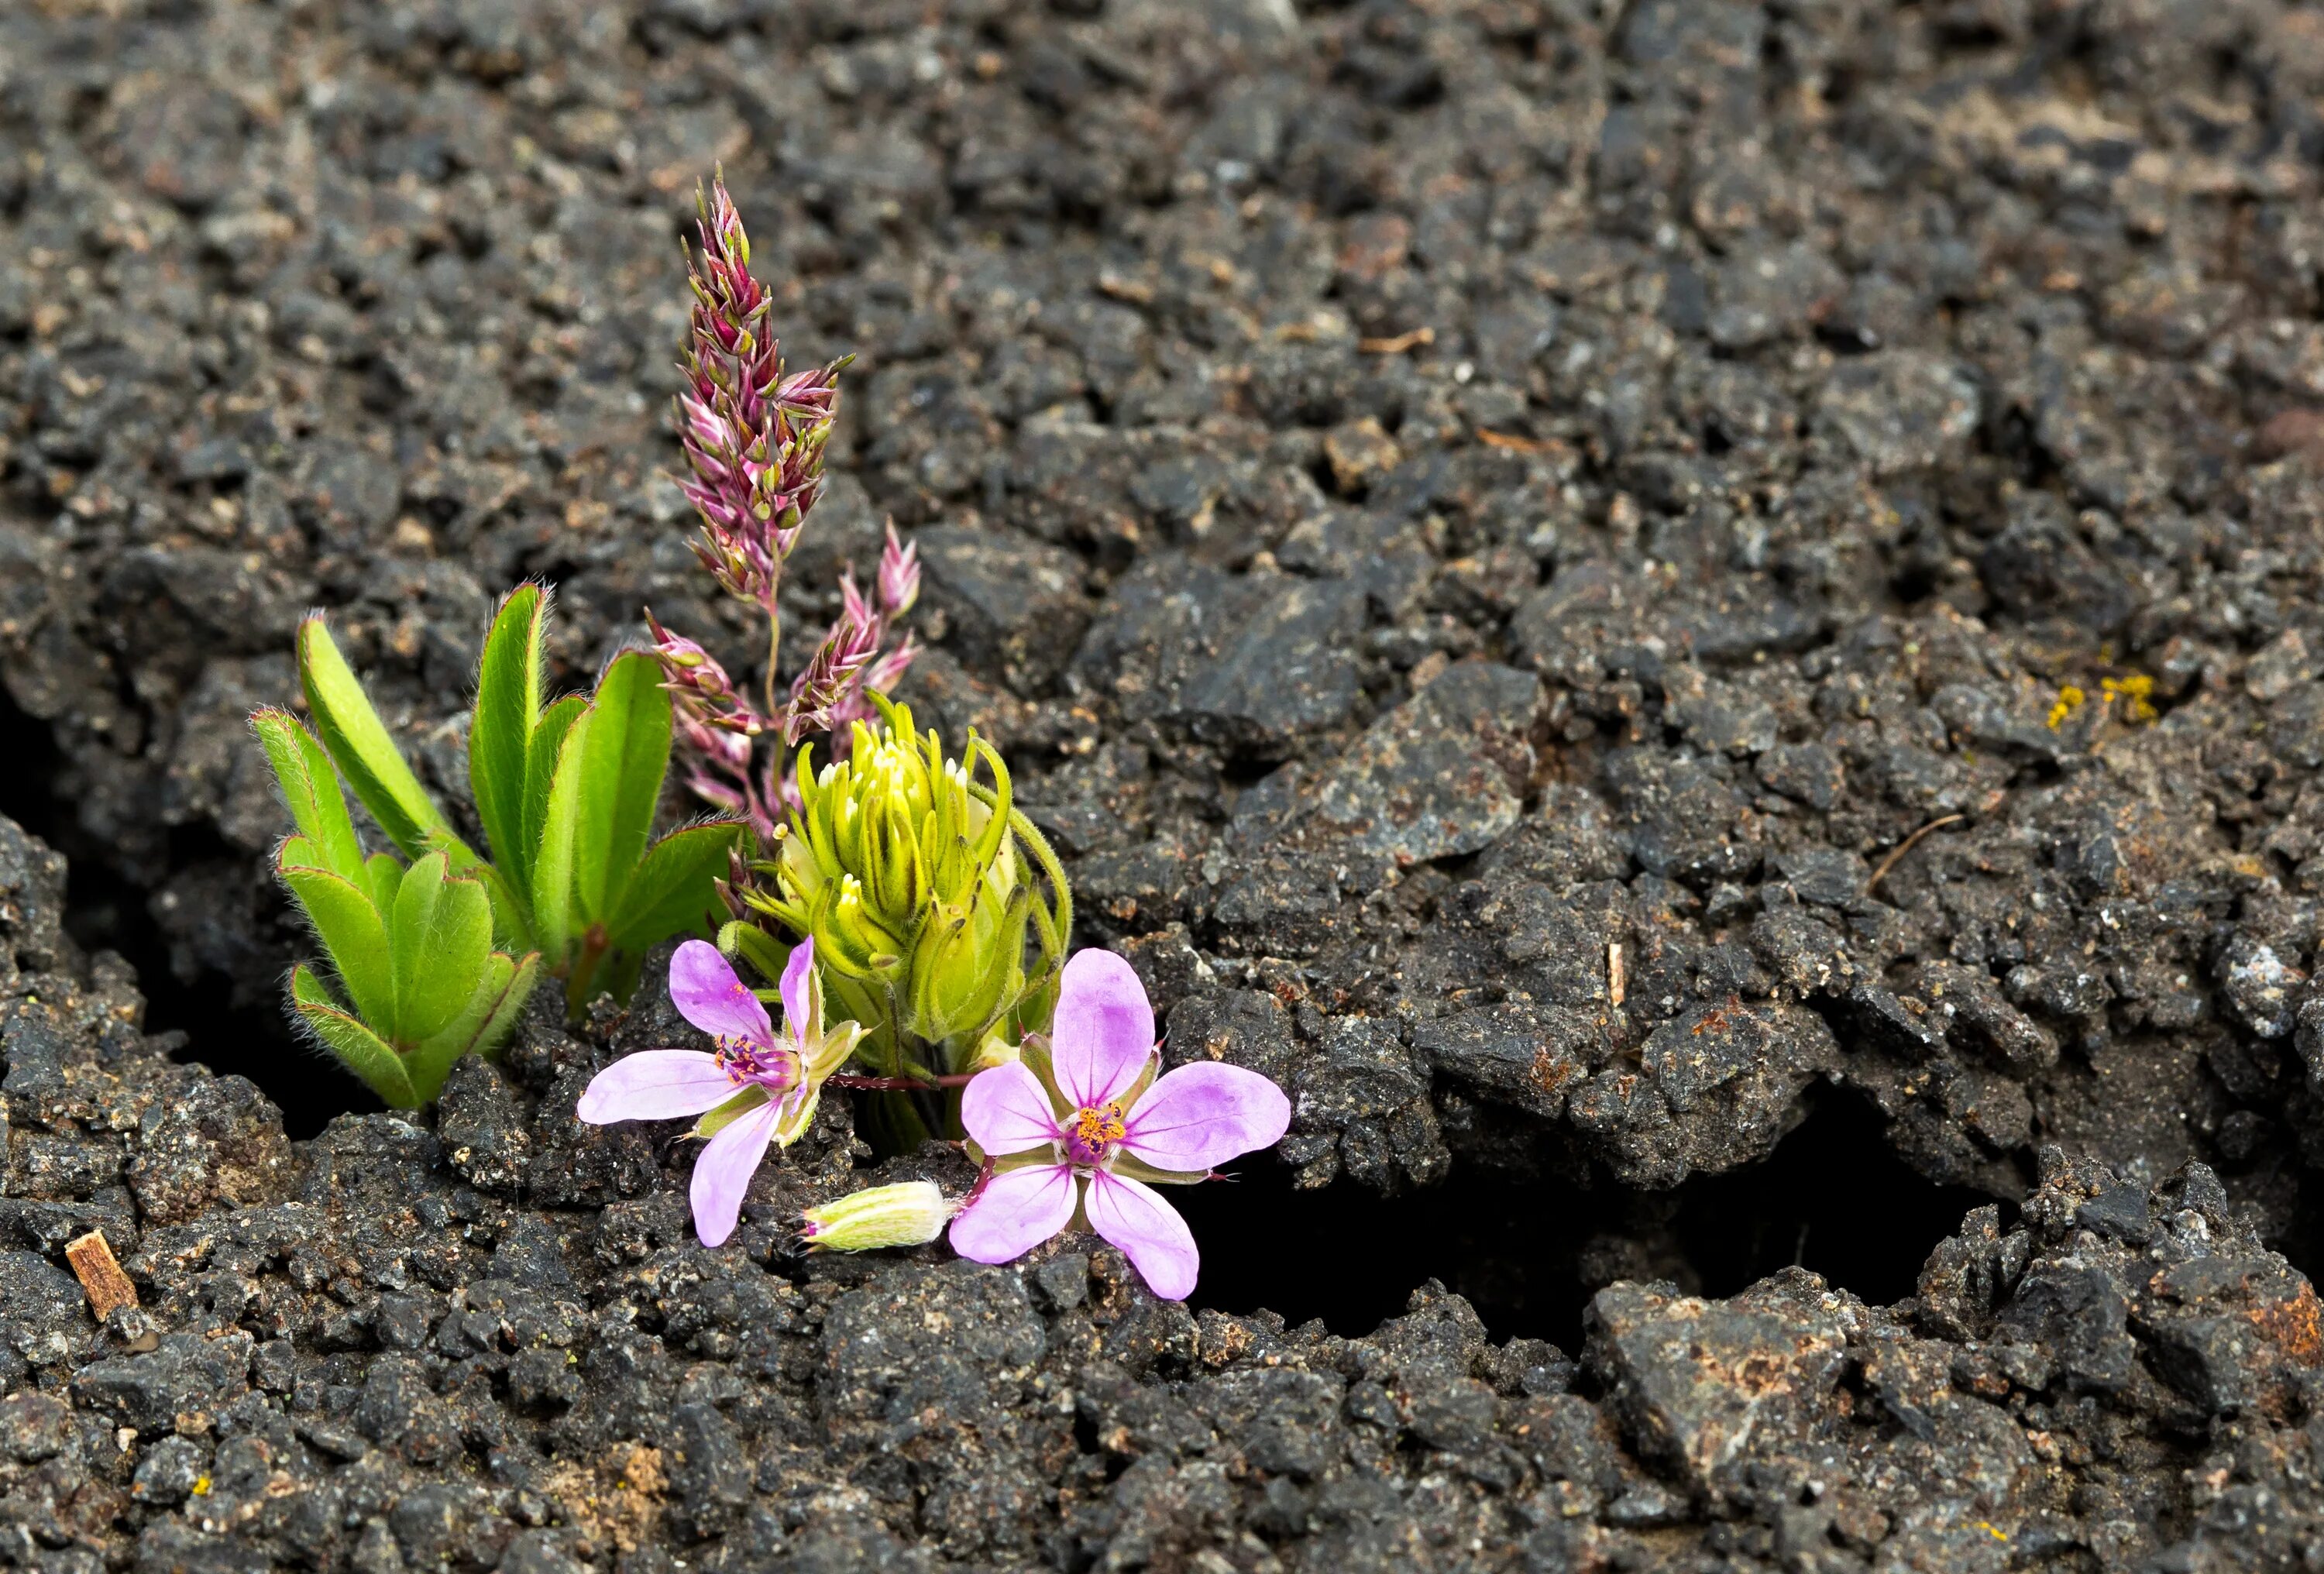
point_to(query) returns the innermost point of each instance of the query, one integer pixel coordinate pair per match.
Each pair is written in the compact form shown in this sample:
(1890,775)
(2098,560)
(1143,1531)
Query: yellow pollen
(1099,1127)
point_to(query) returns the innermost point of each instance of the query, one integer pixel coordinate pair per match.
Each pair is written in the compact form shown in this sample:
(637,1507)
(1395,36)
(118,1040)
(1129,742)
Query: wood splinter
(100,1275)
(1618,979)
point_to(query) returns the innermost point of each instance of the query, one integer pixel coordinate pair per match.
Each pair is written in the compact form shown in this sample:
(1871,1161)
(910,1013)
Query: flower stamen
(774,1068)
(1095,1131)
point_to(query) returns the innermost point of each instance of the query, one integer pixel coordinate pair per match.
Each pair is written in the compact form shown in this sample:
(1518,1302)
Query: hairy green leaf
(357,1047)
(675,890)
(311,789)
(440,934)
(554,921)
(512,912)
(625,753)
(382,874)
(484,1020)
(540,769)
(514,990)
(500,733)
(353,934)
(359,742)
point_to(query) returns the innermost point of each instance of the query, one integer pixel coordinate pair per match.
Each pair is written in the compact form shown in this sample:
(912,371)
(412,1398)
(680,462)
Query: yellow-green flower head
(907,871)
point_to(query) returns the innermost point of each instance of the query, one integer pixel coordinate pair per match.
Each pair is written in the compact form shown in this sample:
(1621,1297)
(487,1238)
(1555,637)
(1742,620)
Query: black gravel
(1484,529)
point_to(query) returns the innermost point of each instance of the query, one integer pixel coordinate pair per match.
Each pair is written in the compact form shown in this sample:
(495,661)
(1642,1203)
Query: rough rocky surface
(487,1339)
(1427,496)
(1484,528)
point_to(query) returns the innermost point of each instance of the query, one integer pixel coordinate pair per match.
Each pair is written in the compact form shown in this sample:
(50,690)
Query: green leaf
(553,918)
(353,936)
(382,874)
(359,742)
(356,1046)
(511,913)
(484,1020)
(501,1020)
(675,890)
(500,733)
(440,936)
(625,753)
(311,789)
(540,770)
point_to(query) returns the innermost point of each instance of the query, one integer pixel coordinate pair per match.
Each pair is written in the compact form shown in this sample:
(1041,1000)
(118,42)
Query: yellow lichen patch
(2070,700)
(2138,690)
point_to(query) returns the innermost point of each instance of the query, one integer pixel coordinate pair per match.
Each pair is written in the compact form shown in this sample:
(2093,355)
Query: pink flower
(1120,1123)
(755,1088)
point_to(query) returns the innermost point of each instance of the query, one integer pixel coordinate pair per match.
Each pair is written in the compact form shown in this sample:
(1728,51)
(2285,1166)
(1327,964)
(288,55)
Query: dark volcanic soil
(1487,532)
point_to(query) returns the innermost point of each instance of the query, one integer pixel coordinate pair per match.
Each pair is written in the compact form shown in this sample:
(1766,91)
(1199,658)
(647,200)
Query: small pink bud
(687,666)
(854,608)
(899,574)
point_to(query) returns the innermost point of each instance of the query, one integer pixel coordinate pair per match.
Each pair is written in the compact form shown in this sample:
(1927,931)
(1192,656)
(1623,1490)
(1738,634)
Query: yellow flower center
(1095,1130)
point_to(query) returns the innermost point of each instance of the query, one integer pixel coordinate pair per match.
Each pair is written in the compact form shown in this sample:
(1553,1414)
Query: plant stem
(896,1084)
(594,946)
(774,658)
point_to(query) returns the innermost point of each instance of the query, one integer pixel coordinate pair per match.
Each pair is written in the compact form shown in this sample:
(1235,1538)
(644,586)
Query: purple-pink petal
(1104,1029)
(797,972)
(722,1172)
(1006,1111)
(1150,1232)
(706,993)
(1017,1210)
(1205,1114)
(656,1084)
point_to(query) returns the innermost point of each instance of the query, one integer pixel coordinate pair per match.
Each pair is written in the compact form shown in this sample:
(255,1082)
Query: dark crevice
(2302,1240)
(105,911)
(1832,1198)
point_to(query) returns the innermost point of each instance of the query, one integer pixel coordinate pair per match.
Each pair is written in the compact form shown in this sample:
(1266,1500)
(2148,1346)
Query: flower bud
(900,576)
(688,671)
(853,609)
(995,1050)
(912,1213)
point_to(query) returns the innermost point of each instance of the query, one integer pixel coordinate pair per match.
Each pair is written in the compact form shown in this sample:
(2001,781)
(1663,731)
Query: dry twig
(100,1275)
(1906,846)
